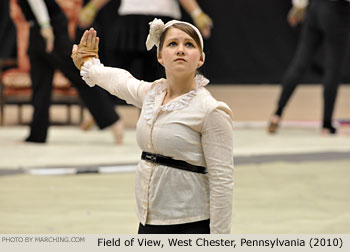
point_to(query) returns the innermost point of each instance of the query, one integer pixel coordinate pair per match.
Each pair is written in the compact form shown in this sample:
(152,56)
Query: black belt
(168,161)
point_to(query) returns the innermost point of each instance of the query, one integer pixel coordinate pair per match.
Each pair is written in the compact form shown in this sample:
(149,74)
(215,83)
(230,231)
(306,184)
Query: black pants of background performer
(198,227)
(43,66)
(326,22)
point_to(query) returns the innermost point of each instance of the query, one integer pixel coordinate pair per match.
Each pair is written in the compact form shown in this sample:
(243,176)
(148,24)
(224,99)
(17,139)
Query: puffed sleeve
(217,144)
(116,81)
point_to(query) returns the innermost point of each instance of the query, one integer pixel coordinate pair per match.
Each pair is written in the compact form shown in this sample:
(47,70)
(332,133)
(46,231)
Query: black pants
(199,227)
(326,22)
(42,69)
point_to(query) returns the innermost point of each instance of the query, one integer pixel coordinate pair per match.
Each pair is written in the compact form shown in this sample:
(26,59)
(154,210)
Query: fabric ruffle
(176,104)
(86,68)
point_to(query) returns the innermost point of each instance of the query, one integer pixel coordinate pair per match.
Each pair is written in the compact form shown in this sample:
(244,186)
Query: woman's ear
(201,60)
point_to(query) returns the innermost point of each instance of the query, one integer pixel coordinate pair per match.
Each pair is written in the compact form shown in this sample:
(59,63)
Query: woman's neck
(179,85)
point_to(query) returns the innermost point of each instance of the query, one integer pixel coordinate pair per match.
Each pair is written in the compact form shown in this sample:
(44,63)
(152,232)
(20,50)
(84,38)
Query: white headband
(157,27)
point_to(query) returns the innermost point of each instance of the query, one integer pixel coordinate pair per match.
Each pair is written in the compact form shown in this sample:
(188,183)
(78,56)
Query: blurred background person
(49,49)
(326,23)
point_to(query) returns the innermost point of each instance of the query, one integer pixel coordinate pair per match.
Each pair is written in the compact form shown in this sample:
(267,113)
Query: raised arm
(118,82)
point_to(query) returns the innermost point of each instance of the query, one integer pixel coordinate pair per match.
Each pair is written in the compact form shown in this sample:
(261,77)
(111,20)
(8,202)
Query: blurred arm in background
(296,14)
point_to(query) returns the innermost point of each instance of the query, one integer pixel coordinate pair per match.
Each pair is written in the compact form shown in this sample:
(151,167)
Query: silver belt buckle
(151,158)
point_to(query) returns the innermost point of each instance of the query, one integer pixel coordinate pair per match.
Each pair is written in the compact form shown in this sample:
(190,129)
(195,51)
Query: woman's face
(180,53)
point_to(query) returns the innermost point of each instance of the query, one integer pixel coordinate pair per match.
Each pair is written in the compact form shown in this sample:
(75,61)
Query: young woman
(184,181)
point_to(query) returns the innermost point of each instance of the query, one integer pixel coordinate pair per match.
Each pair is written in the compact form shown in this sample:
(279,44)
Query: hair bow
(156,28)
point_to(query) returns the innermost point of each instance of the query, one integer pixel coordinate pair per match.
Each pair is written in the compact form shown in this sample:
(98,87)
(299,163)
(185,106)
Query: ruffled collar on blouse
(178,103)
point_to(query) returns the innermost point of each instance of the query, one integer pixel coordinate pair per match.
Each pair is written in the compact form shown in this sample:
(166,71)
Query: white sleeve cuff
(87,69)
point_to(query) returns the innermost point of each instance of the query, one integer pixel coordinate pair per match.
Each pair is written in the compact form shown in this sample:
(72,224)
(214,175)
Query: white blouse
(194,128)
